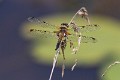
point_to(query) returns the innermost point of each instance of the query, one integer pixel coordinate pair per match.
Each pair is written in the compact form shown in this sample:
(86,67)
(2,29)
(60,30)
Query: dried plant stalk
(84,14)
(63,68)
(74,65)
(54,62)
(115,63)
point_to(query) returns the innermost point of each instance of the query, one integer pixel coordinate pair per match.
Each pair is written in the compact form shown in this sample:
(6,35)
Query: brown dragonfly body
(62,35)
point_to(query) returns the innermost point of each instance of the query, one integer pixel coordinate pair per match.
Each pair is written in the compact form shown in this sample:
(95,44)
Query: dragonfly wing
(84,39)
(87,39)
(87,28)
(42,23)
(42,34)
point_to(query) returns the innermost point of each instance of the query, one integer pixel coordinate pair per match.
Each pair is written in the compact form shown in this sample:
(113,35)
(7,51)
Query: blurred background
(22,59)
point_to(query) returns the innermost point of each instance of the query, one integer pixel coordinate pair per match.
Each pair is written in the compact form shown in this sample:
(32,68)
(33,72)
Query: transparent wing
(42,34)
(87,28)
(42,23)
(84,39)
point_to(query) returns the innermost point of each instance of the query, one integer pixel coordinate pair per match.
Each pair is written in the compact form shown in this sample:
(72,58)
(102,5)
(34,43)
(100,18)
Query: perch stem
(73,17)
(54,61)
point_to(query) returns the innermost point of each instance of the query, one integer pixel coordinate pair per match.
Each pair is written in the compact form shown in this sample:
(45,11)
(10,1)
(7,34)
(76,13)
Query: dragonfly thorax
(63,29)
(65,25)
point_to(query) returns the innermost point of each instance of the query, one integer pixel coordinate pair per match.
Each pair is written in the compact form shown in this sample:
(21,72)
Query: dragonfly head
(65,25)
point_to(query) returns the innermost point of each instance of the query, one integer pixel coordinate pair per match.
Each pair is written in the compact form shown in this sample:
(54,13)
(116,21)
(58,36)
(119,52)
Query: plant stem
(73,17)
(54,61)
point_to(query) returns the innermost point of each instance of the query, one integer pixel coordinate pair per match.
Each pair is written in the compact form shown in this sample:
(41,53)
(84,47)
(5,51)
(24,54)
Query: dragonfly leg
(57,45)
(63,53)
(63,45)
(71,44)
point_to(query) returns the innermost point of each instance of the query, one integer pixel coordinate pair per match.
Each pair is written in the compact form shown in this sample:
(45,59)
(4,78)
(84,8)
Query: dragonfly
(65,33)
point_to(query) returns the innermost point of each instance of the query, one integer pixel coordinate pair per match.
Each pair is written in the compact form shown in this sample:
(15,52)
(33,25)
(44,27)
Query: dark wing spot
(83,26)
(93,38)
(31,30)
(44,22)
(95,25)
